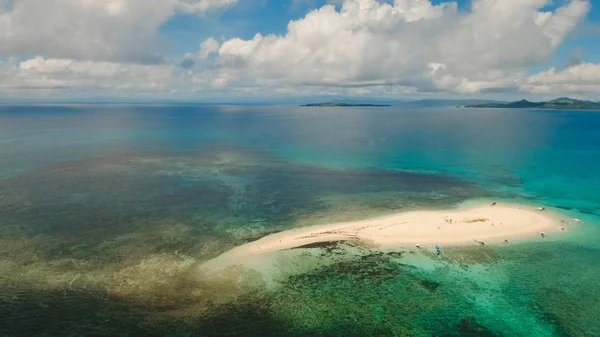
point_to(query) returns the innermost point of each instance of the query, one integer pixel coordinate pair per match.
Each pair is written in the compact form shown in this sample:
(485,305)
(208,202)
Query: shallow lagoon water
(108,212)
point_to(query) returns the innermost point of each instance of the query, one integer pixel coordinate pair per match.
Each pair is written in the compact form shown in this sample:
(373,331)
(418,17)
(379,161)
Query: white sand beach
(473,226)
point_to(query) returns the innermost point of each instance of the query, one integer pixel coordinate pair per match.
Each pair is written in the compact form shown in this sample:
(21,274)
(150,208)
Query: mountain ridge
(561,103)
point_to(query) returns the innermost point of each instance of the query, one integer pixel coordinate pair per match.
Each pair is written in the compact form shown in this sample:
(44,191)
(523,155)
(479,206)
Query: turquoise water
(107,212)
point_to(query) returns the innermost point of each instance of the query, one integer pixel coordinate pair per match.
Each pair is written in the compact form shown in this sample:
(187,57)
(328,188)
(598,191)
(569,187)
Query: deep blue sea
(107,212)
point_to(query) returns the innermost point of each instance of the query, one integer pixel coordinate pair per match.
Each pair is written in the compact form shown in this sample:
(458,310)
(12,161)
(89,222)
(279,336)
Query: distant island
(563,103)
(559,103)
(335,104)
(434,103)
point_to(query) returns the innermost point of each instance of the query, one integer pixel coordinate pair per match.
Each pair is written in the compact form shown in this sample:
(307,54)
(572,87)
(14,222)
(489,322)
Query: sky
(236,50)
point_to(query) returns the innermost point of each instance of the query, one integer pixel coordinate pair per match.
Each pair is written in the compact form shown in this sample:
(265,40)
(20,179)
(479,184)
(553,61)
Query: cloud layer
(98,30)
(581,78)
(410,43)
(362,47)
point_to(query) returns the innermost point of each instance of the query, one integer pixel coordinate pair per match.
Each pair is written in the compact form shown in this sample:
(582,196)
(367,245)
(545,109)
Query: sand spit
(474,226)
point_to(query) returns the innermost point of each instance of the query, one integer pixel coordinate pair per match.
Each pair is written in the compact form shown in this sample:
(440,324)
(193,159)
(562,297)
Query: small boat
(540,209)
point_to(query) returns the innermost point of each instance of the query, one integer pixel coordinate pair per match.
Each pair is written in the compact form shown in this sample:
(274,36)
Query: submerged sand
(474,226)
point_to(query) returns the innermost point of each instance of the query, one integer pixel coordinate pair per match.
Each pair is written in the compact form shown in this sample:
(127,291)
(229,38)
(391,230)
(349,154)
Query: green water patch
(379,293)
(94,313)
(223,195)
(515,290)
(366,294)
(137,228)
(541,289)
(558,282)
(327,247)
(71,313)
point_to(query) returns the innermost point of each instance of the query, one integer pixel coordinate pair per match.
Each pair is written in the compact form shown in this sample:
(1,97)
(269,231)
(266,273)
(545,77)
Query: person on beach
(438,250)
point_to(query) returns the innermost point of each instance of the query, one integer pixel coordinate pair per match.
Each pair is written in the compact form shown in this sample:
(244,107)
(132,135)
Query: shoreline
(472,225)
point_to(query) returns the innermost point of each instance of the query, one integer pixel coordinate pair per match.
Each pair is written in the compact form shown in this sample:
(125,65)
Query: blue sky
(370,48)
(243,20)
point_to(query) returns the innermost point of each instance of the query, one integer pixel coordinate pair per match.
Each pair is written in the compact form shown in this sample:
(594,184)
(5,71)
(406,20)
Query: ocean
(107,213)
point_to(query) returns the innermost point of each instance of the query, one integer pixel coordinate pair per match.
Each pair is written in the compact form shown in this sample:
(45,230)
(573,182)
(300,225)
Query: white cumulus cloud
(577,79)
(90,29)
(368,42)
(110,77)
(360,47)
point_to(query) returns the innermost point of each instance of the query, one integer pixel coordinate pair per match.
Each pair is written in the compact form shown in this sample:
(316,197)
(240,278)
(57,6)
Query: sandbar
(478,225)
